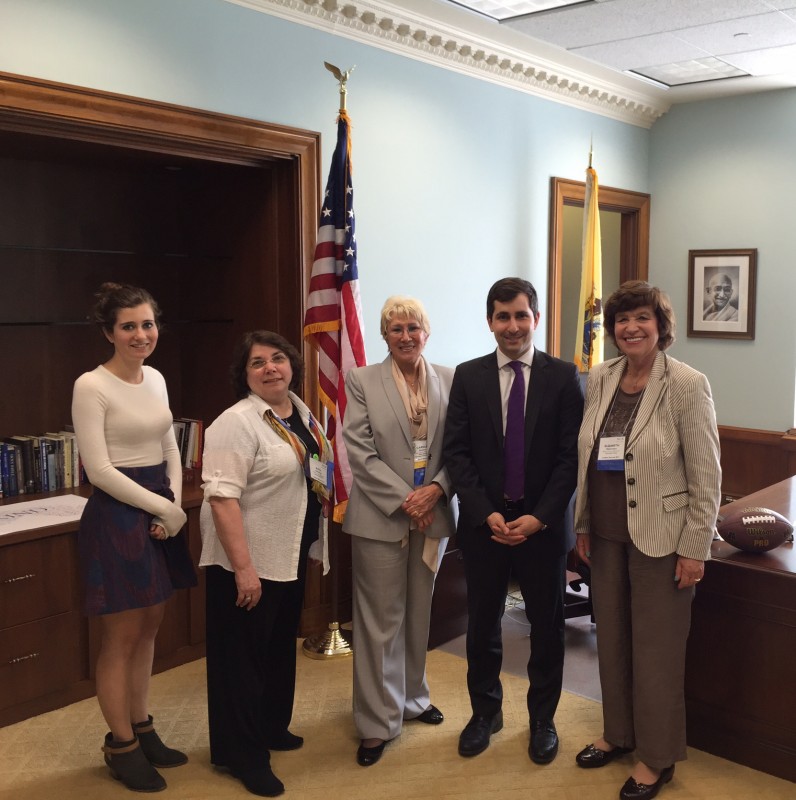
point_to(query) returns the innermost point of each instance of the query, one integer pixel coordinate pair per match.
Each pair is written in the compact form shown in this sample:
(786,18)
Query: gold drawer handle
(20,659)
(20,578)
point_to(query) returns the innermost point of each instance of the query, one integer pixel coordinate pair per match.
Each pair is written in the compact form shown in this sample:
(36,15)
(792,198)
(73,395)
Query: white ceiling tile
(763,30)
(776,61)
(661,48)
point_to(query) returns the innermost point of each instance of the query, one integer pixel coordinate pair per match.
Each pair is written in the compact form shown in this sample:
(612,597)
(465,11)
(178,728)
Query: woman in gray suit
(649,485)
(399,517)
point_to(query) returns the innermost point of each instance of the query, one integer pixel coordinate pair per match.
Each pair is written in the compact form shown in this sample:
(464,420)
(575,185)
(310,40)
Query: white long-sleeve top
(120,424)
(245,459)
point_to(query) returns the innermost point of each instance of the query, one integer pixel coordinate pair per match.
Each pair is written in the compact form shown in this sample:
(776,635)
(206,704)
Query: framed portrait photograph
(721,293)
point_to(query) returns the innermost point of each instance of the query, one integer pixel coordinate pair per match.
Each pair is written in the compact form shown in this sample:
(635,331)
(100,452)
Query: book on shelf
(71,458)
(10,462)
(27,476)
(190,439)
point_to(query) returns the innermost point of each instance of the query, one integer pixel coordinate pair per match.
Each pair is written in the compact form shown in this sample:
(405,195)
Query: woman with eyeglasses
(267,475)
(649,484)
(399,516)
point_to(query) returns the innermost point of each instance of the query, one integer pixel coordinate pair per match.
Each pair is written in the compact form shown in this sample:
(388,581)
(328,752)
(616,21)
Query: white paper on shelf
(40,513)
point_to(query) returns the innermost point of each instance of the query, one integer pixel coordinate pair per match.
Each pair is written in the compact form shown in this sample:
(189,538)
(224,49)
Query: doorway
(627,222)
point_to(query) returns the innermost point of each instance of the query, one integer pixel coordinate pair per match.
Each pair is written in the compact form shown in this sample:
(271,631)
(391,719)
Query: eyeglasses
(398,330)
(277,360)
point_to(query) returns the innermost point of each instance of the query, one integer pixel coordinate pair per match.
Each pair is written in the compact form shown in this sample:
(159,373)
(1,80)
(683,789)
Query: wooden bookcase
(216,216)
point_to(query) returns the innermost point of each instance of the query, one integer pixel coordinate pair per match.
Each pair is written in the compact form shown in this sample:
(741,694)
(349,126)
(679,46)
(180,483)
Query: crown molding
(444,43)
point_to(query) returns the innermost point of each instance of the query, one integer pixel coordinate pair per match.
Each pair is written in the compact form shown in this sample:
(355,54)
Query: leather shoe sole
(632,790)
(368,756)
(543,747)
(431,716)
(592,757)
(474,739)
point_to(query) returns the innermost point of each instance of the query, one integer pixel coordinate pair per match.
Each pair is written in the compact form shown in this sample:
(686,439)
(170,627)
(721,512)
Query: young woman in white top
(124,431)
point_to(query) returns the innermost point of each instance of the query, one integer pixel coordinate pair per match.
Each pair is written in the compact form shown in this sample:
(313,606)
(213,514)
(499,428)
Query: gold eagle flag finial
(342,77)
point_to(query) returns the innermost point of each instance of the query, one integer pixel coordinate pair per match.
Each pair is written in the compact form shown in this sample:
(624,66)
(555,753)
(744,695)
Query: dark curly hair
(634,294)
(240,358)
(112,297)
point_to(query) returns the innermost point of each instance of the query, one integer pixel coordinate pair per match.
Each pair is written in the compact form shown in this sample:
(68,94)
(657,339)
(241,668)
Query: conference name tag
(611,454)
(421,460)
(321,471)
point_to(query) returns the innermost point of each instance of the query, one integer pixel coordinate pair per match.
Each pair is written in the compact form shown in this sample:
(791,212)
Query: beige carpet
(56,756)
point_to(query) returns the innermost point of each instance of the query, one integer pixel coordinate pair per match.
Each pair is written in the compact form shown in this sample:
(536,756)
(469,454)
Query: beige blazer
(671,458)
(380,452)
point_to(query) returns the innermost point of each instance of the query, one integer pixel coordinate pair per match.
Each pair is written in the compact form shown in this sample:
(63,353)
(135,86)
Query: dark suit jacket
(473,447)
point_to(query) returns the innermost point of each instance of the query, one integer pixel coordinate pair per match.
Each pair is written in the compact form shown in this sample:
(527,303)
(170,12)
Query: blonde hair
(402,306)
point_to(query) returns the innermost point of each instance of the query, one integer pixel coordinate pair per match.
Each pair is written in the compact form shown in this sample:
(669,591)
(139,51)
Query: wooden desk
(739,685)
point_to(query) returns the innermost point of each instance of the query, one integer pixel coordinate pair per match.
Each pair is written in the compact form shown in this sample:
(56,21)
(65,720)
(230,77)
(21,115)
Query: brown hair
(112,297)
(634,294)
(240,358)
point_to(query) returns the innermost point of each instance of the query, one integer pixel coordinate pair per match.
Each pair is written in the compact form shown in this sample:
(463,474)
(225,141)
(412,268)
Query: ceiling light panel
(506,9)
(694,71)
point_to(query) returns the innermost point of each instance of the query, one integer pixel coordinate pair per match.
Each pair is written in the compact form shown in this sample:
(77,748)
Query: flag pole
(335,642)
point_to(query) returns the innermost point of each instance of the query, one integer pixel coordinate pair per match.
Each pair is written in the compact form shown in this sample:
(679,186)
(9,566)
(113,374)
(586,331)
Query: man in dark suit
(514,511)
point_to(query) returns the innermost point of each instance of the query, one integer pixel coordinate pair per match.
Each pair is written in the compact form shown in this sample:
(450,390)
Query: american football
(755,530)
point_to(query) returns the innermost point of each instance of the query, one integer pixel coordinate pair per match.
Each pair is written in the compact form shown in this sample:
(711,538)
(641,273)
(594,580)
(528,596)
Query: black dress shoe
(368,756)
(431,716)
(544,741)
(592,757)
(474,739)
(284,741)
(633,790)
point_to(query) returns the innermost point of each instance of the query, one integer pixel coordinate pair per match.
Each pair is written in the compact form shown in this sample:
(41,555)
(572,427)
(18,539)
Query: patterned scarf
(299,448)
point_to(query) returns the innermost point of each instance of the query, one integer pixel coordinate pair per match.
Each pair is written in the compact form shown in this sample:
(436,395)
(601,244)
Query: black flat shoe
(592,757)
(368,756)
(284,741)
(474,739)
(260,781)
(431,716)
(633,790)
(543,746)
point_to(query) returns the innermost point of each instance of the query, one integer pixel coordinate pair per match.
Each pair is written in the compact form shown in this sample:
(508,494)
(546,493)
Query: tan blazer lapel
(432,387)
(394,399)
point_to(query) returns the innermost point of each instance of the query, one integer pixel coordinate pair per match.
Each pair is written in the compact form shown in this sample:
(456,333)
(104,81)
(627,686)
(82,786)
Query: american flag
(333,322)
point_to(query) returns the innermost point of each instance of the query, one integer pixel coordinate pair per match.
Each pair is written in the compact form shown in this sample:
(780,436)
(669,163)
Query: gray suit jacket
(671,458)
(380,452)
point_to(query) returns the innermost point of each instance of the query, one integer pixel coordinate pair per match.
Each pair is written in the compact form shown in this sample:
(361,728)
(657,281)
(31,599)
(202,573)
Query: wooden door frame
(633,249)
(37,107)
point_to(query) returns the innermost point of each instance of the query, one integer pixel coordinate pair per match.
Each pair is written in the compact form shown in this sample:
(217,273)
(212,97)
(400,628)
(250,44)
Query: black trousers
(488,568)
(251,667)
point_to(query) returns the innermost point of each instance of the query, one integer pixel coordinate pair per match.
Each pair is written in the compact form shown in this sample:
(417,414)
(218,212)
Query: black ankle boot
(156,752)
(129,765)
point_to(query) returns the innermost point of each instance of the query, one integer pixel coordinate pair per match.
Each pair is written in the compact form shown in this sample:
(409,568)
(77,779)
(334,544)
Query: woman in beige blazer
(648,495)
(399,517)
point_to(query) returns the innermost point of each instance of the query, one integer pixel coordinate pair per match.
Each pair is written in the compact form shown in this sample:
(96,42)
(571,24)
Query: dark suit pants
(488,568)
(251,667)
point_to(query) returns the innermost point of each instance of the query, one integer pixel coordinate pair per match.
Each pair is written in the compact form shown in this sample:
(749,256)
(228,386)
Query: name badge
(321,471)
(420,461)
(611,454)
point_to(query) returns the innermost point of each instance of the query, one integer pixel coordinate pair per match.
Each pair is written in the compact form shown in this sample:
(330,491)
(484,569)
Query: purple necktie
(514,440)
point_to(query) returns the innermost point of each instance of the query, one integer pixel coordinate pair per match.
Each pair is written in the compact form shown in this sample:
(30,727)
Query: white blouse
(245,459)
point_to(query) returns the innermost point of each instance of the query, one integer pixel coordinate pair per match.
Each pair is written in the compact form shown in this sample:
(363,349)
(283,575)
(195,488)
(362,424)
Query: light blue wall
(452,174)
(722,176)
